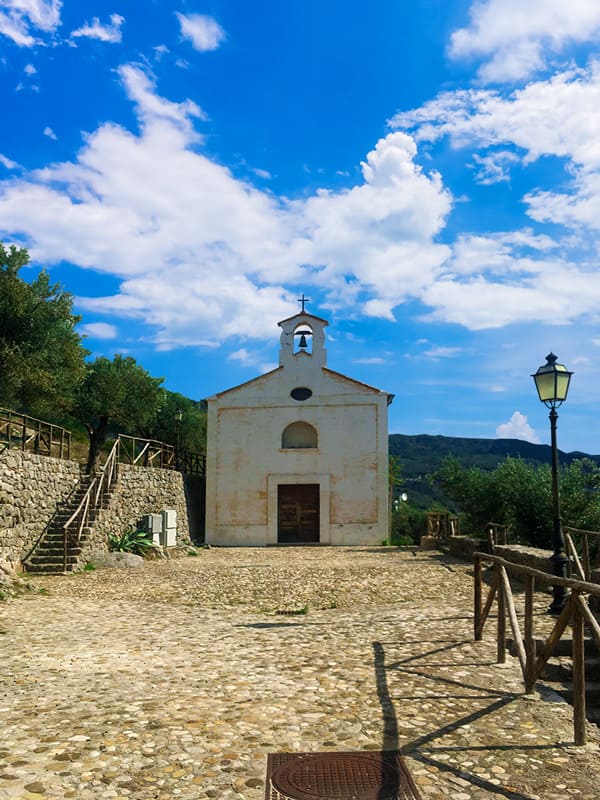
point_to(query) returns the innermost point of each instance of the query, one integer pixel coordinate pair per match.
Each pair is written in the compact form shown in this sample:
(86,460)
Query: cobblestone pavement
(175,680)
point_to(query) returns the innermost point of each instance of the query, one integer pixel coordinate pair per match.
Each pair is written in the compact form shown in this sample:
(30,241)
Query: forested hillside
(420,456)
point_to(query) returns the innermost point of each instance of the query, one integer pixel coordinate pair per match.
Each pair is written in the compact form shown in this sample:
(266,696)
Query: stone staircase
(48,555)
(557,673)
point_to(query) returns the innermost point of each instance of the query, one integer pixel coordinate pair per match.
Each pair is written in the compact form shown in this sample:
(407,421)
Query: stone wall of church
(31,486)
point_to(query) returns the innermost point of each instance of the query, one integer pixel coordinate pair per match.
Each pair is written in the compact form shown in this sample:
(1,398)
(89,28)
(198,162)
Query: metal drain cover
(339,776)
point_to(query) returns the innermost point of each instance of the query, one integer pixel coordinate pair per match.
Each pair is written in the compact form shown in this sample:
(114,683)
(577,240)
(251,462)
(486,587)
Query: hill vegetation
(422,456)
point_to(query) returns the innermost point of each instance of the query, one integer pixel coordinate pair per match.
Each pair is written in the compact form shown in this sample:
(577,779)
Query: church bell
(303,344)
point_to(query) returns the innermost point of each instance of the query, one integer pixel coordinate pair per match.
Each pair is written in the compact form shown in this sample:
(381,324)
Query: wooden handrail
(92,499)
(576,611)
(584,565)
(150,452)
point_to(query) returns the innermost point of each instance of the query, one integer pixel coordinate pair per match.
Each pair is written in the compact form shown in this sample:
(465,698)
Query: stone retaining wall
(140,491)
(31,486)
(533,557)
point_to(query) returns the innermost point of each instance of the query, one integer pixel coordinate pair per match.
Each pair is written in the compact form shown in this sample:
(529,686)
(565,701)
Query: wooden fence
(28,433)
(576,611)
(151,453)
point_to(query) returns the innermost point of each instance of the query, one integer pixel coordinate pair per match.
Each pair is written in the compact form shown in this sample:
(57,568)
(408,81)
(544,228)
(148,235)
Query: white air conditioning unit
(169,528)
(153,524)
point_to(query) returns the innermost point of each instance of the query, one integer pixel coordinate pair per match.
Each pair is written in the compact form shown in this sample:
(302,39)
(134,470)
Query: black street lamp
(178,418)
(552,384)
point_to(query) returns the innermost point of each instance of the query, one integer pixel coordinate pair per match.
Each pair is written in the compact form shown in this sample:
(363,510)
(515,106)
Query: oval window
(301,393)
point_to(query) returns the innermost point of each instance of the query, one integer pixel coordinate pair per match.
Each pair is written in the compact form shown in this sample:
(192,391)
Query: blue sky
(428,173)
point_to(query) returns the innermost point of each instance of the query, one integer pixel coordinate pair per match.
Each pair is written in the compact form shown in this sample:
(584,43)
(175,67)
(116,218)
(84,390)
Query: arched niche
(299,435)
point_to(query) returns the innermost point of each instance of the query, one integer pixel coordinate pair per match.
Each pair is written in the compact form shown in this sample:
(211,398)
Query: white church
(298,455)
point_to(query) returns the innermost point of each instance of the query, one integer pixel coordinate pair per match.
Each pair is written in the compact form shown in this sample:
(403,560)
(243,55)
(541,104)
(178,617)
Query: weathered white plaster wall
(246,461)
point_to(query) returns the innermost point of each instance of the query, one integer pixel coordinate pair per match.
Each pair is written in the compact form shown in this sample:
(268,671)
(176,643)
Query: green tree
(472,489)
(189,431)
(41,353)
(119,393)
(519,495)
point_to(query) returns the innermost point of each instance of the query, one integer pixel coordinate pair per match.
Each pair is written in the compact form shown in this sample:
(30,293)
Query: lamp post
(178,418)
(552,384)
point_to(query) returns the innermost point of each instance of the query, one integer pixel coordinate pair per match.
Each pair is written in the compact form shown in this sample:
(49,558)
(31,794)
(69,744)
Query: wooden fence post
(578,671)
(529,639)
(477,600)
(501,635)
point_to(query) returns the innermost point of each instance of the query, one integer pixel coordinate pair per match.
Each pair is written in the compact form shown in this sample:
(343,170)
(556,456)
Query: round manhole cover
(336,777)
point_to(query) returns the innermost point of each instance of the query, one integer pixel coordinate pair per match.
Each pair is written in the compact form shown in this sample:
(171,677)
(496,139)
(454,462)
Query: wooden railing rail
(152,453)
(92,499)
(496,533)
(586,563)
(576,610)
(146,452)
(442,525)
(29,433)
(190,462)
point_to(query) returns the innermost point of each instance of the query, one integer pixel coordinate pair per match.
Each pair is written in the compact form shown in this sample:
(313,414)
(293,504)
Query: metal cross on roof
(303,300)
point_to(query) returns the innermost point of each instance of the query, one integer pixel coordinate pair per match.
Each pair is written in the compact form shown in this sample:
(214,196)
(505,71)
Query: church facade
(298,455)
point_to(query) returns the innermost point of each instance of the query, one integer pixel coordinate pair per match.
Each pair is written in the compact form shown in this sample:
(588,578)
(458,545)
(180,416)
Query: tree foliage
(189,432)
(519,495)
(118,392)
(41,353)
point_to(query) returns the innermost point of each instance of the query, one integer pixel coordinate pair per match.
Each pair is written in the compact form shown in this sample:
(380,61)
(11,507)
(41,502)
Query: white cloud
(384,227)
(8,163)
(24,20)
(203,255)
(517,428)
(203,32)
(251,360)
(161,50)
(262,173)
(516,38)
(558,117)
(99,330)
(494,167)
(141,88)
(30,69)
(440,351)
(370,360)
(110,32)
(49,132)
(495,280)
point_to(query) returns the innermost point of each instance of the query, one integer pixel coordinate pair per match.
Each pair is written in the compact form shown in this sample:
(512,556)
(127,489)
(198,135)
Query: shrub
(138,542)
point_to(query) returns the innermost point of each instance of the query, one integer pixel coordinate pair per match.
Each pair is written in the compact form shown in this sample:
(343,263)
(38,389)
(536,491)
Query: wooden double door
(298,513)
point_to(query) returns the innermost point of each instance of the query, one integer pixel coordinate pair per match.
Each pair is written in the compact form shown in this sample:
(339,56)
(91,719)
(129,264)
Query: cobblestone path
(175,680)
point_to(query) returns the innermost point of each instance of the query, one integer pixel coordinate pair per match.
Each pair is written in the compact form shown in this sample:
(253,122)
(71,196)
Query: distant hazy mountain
(422,455)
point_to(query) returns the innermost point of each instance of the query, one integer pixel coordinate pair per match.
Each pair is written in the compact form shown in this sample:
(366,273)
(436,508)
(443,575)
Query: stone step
(49,569)
(563,646)
(561,669)
(56,560)
(43,551)
(592,694)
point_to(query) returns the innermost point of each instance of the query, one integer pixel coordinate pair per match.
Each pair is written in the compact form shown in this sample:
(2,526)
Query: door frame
(273,482)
